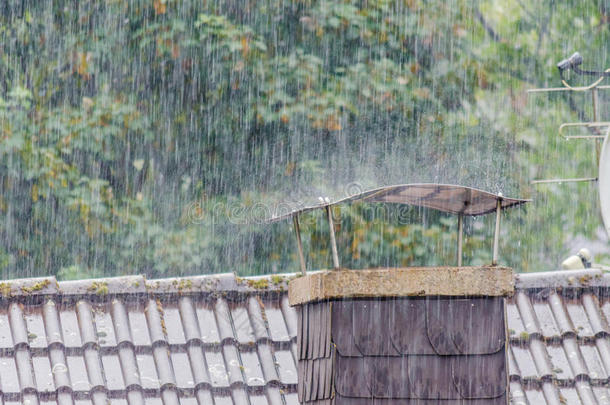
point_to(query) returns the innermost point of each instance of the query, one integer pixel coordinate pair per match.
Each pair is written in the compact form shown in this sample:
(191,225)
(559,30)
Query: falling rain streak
(152,137)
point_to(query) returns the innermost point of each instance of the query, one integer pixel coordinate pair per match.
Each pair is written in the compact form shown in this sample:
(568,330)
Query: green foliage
(140,136)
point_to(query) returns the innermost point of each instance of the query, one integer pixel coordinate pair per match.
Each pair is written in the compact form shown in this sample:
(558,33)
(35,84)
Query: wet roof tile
(286,367)
(43,374)
(278,329)
(241,323)
(184,375)
(148,372)
(134,341)
(568,332)
(173,324)
(113,372)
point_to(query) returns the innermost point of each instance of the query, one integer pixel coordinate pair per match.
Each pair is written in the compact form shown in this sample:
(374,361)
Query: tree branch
(490,31)
(526,10)
(605,16)
(543,31)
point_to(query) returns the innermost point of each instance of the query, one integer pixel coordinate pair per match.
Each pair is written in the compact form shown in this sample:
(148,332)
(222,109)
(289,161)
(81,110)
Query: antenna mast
(598,129)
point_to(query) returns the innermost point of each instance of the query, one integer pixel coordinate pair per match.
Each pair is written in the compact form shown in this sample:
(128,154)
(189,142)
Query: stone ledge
(402,282)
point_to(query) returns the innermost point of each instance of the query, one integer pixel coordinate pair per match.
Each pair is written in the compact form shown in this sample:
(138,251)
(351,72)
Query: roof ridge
(582,278)
(230,282)
(138,284)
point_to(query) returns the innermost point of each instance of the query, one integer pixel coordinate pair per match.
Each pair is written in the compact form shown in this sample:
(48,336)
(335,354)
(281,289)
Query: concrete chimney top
(487,281)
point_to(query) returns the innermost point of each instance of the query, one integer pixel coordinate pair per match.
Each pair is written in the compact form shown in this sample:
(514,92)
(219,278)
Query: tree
(141,136)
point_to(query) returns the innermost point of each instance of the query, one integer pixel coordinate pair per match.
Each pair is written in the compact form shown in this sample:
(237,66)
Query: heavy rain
(154,137)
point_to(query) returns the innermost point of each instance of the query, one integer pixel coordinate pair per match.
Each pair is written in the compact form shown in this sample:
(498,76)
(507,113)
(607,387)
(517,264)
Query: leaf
(34,192)
(160,6)
(245,47)
(81,64)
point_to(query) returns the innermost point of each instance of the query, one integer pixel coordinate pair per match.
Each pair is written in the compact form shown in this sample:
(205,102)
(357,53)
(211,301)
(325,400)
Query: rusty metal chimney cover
(450,198)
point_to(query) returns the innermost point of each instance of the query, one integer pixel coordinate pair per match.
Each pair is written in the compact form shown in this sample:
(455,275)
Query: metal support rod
(494,257)
(595,99)
(553,89)
(593,126)
(297,231)
(598,137)
(459,239)
(333,240)
(563,180)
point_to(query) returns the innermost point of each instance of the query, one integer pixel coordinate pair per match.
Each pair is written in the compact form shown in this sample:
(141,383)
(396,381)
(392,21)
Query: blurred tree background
(147,136)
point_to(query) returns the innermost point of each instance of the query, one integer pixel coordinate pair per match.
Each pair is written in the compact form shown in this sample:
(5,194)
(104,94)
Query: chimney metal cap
(451,198)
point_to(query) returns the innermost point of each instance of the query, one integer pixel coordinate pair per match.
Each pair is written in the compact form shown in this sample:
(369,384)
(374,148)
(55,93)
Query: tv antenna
(597,128)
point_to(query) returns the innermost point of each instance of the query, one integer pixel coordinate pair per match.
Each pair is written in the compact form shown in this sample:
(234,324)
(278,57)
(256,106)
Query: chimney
(408,336)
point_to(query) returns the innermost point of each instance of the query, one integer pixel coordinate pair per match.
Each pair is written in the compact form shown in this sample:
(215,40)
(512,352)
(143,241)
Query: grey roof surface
(217,340)
(222,340)
(560,338)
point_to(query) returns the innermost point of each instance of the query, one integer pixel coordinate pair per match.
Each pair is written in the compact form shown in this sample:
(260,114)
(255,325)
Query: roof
(449,198)
(559,338)
(128,340)
(235,340)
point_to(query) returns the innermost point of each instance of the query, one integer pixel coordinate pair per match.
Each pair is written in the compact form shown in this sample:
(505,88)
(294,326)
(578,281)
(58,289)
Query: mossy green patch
(36,287)
(277,280)
(5,289)
(261,284)
(98,288)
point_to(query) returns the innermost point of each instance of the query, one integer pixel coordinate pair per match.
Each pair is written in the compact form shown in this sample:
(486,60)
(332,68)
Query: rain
(155,136)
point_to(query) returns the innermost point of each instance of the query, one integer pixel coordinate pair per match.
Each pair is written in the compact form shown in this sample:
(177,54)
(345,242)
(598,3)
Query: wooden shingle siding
(403,351)
(316,353)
